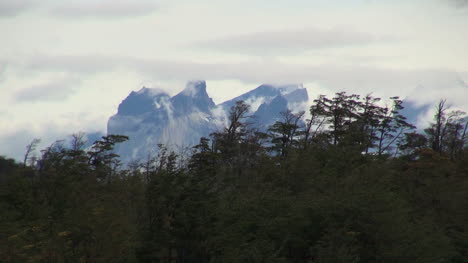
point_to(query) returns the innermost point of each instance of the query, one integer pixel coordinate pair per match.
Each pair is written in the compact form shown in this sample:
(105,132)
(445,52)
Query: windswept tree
(447,134)
(360,123)
(204,159)
(316,123)
(227,142)
(436,131)
(392,125)
(285,132)
(455,134)
(366,125)
(30,148)
(102,157)
(411,143)
(340,112)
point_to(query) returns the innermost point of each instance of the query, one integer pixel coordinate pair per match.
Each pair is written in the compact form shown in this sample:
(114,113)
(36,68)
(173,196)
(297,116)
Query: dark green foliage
(285,133)
(333,188)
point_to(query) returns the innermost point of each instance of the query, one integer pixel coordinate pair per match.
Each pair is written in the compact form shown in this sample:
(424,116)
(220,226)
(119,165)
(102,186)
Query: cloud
(291,41)
(81,8)
(3,69)
(57,90)
(459,3)
(71,63)
(105,8)
(357,79)
(10,8)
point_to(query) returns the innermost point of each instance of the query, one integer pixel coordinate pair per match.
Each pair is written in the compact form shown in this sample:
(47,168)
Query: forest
(351,181)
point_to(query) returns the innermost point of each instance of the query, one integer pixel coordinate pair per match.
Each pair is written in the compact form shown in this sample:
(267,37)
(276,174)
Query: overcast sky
(66,65)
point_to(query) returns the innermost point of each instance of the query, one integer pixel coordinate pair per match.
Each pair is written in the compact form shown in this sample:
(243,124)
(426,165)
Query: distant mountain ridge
(150,116)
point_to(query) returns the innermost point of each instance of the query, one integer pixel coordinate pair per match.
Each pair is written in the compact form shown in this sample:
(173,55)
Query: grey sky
(68,64)
(53,91)
(291,41)
(80,9)
(460,3)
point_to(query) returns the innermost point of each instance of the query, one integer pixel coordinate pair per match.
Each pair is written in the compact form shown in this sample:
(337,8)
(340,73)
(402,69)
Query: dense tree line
(351,182)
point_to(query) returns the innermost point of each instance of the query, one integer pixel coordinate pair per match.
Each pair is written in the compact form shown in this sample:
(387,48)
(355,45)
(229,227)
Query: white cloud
(292,41)
(105,8)
(56,90)
(101,9)
(10,8)
(337,77)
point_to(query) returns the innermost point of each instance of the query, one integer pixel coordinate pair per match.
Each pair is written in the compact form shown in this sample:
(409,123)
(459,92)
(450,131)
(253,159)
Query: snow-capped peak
(194,88)
(286,89)
(151,91)
(148,117)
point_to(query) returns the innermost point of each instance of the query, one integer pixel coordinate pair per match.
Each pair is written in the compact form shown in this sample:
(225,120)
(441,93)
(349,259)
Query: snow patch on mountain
(194,87)
(286,89)
(150,91)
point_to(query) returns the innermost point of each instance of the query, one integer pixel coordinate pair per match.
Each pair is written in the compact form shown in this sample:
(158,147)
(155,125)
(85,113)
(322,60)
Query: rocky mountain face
(151,117)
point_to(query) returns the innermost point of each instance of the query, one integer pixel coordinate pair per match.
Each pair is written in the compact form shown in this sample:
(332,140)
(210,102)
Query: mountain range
(150,116)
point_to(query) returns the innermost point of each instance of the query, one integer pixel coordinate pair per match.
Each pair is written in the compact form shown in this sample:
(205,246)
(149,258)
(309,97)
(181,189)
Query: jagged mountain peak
(195,88)
(265,93)
(142,101)
(150,116)
(297,96)
(269,112)
(193,98)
